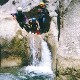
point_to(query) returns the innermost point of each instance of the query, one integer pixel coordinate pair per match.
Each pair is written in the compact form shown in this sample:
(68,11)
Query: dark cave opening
(33,13)
(2,2)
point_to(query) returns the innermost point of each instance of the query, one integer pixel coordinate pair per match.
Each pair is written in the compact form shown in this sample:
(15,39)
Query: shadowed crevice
(33,13)
(2,2)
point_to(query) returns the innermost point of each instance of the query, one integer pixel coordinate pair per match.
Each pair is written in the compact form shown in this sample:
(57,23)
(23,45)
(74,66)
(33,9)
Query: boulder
(14,42)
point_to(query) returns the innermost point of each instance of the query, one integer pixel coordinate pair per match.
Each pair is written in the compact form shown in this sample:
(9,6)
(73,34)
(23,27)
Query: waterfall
(37,70)
(46,55)
(34,60)
(43,68)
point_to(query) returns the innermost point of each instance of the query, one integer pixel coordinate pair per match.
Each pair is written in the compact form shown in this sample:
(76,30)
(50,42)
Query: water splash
(34,59)
(46,55)
(44,67)
(40,71)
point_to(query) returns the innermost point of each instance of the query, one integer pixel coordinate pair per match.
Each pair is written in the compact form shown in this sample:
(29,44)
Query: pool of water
(27,73)
(8,76)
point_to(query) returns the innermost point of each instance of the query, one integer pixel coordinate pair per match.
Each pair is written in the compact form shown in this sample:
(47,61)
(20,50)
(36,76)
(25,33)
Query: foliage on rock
(18,47)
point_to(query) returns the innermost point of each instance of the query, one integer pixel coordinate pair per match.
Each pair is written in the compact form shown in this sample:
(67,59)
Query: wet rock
(35,43)
(52,39)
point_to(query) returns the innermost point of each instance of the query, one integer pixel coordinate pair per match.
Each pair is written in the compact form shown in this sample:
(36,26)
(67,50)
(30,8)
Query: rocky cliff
(69,48)
(65,52)
(13,42)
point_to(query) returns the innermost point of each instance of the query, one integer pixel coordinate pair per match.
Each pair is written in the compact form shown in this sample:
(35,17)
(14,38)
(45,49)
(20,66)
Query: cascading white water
(33,51)
(46,55)
(37,70)
(44,66)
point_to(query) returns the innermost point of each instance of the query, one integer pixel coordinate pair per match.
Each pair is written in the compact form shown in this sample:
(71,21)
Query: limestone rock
(14,43)
(69,40)
(69,43)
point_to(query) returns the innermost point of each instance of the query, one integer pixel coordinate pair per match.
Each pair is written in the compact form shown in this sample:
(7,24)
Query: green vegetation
(68,74)
(12,70)
(18,47)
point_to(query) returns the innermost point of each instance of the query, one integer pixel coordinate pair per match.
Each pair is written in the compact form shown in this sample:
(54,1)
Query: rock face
(52,39)
(69,44)
(15,48)
(26,5)
(14,43)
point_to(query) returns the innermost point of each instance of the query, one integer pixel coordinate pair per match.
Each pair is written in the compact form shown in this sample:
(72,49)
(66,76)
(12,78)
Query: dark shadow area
(34,13)
(2,2)
(13,2)
(59,18)
(58,22)
(44,1)
(0,55)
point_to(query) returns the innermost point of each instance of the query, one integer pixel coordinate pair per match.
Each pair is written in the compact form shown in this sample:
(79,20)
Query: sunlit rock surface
(69,44)
(13,42)
(7,30)
(69,40)
(26,5)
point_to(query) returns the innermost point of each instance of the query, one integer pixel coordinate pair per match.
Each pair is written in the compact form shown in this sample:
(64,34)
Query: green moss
(69,73)
(71,77)
(78,73)
(18,47)
(12,70)
(19,32)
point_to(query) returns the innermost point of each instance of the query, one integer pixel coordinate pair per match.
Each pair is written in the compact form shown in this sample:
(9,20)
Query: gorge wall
(68,55)
(65,52)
